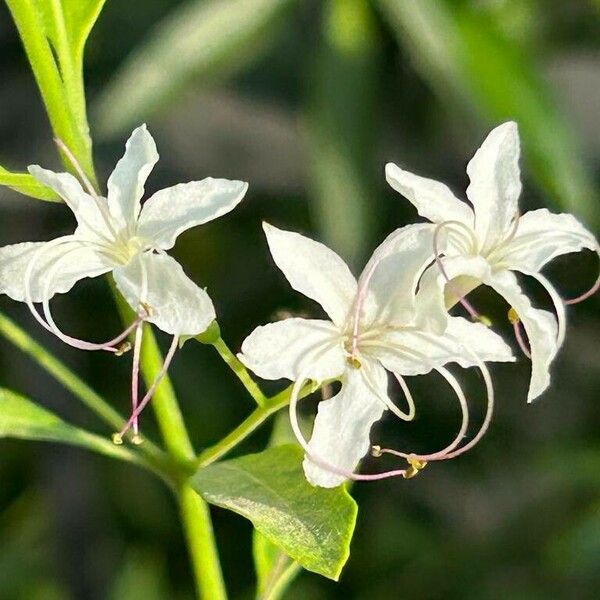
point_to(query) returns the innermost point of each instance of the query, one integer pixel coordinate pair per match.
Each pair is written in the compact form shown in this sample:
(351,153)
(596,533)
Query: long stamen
(585,295)
(49,324)
(135,377)
(118,437)
(475,316)
(513,317)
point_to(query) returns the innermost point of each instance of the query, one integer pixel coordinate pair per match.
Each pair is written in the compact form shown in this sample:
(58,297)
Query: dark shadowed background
(326,93)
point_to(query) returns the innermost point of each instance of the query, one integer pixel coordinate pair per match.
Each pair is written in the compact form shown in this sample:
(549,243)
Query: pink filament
(135,375)
(585,295)
(150,393)
(520,339)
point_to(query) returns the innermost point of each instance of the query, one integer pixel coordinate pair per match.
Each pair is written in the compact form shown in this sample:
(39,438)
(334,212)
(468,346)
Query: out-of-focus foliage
(515,518)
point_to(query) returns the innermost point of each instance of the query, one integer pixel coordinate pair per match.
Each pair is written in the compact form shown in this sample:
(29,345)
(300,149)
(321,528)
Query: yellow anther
(513,317)
(376,451)
(416,465)
(484,320)
(137,439)
(354,362)
(123,348)
(117,439)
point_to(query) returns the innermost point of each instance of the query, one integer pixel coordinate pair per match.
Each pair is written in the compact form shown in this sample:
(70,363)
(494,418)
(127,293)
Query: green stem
(195,516)
(194,510)
(250,424)
(240,370)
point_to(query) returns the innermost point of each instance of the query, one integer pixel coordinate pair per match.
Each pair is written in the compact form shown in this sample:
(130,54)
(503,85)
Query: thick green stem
(251,423)
(240,370)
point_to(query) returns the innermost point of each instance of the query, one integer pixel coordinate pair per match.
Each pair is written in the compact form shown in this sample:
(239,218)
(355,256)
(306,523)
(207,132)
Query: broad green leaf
(22,419)
(470,60)
(314,526)
(341,122)
(207,39)
(26,184)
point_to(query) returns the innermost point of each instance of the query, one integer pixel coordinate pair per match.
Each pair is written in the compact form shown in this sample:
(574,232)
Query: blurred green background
(307,100)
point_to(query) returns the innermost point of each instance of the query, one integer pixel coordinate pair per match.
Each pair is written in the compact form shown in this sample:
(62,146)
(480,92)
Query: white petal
(126,182)
(432,199)
(91,223)
(541,236)
(314,270)
(540,326)
(177,305)
(173,210)
(341,431)
(293,348)
(52,268)
(495,183)
(392,274)
(416,352)
(434,289)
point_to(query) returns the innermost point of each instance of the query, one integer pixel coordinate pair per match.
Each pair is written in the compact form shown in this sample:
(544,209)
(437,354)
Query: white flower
(374,328)
(116,234)
(490,240)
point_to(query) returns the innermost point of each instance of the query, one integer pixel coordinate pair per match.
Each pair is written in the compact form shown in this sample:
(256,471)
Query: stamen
(585,295)
(149,394)
(135,375)
(513,317)
(475,316)
(49,323)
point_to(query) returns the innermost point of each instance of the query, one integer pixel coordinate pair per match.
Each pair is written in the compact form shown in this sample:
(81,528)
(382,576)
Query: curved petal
(171,211)
(292,347)
(51,268)
(343,424)
(495,184)
(389,281)
(540,326)
(416,352)
(432,199)
(542,236)
(90,220)
(126,182)
(314,270)
(175,303)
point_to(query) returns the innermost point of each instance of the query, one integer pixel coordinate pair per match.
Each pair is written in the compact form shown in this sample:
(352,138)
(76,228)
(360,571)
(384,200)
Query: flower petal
(341,431)
(391,276)
(314,270)
(416,352)
(126,182)
(91,223)
(541,236)
(495,184)
(432,199)
(51,267)
(173,210)
(540,326)
(295,347)
(177,305)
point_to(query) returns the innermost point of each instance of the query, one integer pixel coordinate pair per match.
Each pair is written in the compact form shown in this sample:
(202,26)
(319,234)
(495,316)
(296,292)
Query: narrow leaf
(204,39)
(28,185)
(22,419)
(468,58)
(314,526)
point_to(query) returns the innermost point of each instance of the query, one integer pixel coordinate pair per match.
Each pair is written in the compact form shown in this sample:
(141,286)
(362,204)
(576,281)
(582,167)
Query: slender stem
(250,424)
(240,370)
(195,516)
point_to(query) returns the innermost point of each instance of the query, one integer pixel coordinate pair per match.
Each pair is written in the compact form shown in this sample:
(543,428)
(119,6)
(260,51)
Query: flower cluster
(392,320)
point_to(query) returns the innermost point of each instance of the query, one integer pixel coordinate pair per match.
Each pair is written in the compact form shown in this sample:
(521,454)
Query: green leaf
(203,39)
(470,60)
(314,526)
(22,419)
(54,33)
(28,185)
